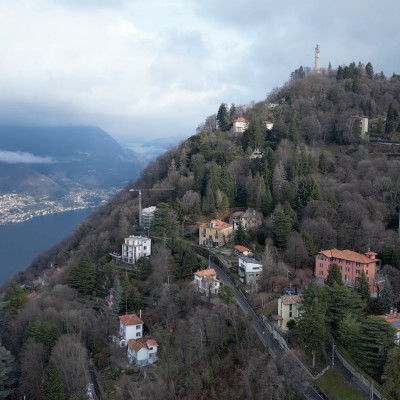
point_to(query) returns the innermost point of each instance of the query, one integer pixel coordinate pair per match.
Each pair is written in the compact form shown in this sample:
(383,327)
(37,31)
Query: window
(347,269)
(358,271)
(346,278)
(137,334)
(347,262)
(321,272)
(144,247)
(340,267)
(321,265)
(290,314)
(357,264)
(137,327)
(366,272)
(340,260)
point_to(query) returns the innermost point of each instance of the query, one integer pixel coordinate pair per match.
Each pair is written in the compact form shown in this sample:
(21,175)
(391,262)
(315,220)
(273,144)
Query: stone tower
(317,56)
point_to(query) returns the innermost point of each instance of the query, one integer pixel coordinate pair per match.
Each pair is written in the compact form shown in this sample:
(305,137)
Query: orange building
(215,233)
(350,264)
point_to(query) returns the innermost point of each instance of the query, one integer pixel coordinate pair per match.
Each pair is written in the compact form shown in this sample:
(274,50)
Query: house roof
(131,319)
(249,260)
(206,272)
(290,299)
(216,224)
(241,119)
(143,343)
(241,248)
(348,255)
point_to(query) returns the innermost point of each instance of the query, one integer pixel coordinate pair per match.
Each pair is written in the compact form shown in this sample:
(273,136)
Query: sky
(150,69)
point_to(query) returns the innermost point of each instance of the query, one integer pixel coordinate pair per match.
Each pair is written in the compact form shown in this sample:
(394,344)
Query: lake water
(20,243)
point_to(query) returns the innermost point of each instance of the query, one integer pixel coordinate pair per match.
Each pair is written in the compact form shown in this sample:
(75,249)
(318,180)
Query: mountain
(52,160)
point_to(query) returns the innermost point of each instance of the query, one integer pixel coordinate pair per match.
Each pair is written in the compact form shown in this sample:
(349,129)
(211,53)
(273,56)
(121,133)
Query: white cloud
(11,157)
(163,67)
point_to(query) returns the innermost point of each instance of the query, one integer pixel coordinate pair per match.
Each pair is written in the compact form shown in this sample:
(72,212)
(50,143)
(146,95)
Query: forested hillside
(319,182)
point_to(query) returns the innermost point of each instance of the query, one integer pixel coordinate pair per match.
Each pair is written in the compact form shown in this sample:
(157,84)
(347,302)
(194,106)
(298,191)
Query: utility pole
(140,199)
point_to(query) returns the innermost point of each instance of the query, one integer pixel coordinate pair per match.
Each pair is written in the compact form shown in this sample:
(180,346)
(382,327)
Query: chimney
(140,314)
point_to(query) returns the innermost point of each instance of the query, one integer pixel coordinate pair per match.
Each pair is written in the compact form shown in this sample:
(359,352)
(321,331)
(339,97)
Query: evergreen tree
(53,387)
(322,164)
(334,276)
(380,128)
(226,184)
(164,222)
(16,297)
(308,190)
(369,70)
(8,373)
(268,205)
(293,131)
(195,212)
(223,118)
(177,206)
(373,345)
(390,116)
(240,235)
(281,227)
(290,213)
(391,374)
(232,112)
(385,298)
(227,293)
(82,277)
(362,287)
(308,243)
(388,256)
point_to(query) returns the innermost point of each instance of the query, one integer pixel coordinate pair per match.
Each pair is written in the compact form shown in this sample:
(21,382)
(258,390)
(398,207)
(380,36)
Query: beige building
(288,308)
(215,233)
(206,281)
(250,219)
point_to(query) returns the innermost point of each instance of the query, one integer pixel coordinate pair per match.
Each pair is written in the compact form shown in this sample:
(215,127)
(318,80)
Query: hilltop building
(317,59)
(240,125)
(134,248)
(215,233)
(250,219)
(130,327)
(142,352)
(350,264)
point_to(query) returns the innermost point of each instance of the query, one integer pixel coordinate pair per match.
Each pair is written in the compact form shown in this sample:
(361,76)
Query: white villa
(206,281)
(130,327)
(134,248)
(142,351)
(250,270)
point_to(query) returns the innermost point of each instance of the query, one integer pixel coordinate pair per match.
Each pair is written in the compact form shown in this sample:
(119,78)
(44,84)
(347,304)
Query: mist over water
(20,243)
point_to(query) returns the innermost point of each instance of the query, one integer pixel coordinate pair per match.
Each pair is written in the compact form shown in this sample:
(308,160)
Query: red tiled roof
(241,119)
(241,248)
(347,255)
(131,319)
(217,224)
(390,318)
(137,344)
(206,272)
(152,342)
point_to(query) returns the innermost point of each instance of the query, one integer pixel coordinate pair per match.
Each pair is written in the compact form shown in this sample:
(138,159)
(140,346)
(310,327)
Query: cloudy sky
(157,68)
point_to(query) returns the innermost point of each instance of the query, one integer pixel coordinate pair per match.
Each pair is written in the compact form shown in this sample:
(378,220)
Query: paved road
(266,338)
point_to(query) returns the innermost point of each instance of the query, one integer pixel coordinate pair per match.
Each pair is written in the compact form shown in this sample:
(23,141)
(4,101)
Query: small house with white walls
(240,125)
(142,352)
(130,327)
(250,270)
(206,281)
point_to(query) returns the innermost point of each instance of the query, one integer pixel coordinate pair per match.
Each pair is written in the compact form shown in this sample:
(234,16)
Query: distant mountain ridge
(51,160)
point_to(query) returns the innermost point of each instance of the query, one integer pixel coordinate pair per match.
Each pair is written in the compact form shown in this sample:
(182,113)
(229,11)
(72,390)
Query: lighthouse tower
(317,56)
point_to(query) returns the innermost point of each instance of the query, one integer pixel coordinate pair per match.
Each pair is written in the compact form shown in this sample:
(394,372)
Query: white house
(130,327)
(134,248)
(206,281)
(142,351)
(288,308)
(250,270)
(148,215)
(269,125)
(240,125)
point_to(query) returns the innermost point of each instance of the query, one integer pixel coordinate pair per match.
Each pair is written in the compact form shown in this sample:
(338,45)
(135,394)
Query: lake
(20,243)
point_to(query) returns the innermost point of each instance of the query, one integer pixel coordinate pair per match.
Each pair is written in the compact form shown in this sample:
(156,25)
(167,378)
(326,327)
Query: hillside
(319,181)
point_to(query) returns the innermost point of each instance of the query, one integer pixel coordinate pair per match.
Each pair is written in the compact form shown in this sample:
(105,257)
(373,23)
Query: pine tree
(223,118)
(240,235)
(195,212)
(362,287)
(334,276)
(53,387)
(309,243)
(391,374)
(308,190)
(281,227)
(390,116)
(369,70)
(385,298)
(8,373)
(380,128)
(16,297)
(373,345)
(82,277)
